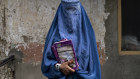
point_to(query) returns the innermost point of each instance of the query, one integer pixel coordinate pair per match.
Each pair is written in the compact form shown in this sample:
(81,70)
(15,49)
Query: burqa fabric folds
(71,22)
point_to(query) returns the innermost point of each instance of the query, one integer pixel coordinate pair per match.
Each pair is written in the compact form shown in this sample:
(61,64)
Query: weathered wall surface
(5,71)
(117,67)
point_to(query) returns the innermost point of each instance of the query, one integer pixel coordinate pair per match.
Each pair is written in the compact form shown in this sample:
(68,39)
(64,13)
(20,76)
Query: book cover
(64,51)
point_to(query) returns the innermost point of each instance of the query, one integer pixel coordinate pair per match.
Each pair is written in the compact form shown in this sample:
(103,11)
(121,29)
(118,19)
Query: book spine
(55,53)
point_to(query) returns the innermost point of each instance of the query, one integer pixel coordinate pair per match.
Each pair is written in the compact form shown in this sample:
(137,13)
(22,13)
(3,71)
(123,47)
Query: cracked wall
(24,25)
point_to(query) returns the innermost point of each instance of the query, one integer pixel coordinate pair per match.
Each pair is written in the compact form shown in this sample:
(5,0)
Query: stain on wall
(32,52)
(102,55)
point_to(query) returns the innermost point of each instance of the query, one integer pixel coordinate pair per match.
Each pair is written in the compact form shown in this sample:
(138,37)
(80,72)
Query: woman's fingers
(70,69)
(66,69)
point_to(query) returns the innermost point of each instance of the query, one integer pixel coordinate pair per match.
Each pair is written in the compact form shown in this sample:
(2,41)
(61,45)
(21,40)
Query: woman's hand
(66,69)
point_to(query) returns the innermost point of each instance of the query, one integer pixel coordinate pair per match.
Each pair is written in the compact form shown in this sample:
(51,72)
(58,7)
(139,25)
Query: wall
(117,67)
(23,28)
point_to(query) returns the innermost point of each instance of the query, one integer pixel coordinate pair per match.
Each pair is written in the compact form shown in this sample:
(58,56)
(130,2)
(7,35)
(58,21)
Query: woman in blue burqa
(71,22)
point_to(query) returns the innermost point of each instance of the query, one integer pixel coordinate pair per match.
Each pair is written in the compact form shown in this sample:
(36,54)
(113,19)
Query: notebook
(64,51)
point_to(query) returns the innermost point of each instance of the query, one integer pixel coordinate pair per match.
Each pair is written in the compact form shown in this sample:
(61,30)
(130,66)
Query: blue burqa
(71,22)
